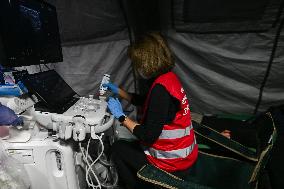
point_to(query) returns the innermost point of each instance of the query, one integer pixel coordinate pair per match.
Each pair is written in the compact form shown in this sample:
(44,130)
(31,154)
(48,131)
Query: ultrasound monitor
(29,33)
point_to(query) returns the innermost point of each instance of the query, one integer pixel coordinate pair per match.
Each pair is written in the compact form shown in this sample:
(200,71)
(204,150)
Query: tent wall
(84,66)
(88,21)
(223,72)
(206,16)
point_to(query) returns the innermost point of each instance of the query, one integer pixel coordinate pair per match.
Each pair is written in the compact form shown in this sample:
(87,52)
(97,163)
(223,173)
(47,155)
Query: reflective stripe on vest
(180,153)
(176,133)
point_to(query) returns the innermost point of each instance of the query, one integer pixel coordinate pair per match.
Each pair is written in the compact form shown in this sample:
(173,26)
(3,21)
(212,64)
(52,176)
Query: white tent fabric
(223,72)
(84,66)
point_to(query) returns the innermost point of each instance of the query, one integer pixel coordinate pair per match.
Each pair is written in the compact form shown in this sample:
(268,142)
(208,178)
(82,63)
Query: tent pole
(275,44)
(130,36)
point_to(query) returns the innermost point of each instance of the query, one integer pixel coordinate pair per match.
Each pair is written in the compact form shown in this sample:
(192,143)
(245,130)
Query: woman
(165,135)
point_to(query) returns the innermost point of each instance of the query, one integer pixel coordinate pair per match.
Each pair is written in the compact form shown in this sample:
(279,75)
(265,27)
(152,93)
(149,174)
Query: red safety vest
(176,147)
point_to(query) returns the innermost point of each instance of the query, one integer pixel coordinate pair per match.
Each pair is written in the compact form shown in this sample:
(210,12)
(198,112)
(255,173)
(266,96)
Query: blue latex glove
(112,87)
(10,90)
(8,117)
(115,107)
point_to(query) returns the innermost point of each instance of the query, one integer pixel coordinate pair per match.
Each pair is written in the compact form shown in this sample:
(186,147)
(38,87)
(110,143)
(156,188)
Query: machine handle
(105,126)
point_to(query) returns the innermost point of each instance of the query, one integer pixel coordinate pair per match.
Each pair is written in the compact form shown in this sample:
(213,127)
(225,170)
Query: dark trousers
(129,158)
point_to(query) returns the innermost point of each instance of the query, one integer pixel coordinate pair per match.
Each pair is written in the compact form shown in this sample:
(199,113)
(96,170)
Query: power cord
(89,165)
(99,156)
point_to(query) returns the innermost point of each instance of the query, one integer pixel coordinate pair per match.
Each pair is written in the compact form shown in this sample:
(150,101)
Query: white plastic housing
(49,164)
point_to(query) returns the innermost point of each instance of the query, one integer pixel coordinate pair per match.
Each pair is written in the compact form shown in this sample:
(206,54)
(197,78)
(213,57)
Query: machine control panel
(93,110)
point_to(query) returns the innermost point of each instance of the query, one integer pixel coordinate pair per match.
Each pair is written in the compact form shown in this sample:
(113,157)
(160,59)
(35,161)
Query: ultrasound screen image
(33,16)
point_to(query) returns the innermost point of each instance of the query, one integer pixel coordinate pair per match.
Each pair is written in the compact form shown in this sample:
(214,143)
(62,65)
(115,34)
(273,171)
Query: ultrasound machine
(65,138)
(59,127)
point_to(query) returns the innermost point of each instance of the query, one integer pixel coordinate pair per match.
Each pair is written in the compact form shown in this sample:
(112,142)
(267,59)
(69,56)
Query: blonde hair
(151,55)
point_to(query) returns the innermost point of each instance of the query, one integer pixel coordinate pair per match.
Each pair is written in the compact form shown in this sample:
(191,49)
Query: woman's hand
(112,87)
(226,133)
(115,107)
(118,91)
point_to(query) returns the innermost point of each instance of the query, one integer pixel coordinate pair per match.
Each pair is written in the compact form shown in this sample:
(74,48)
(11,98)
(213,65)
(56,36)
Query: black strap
(154,175)
(265,154)
(216,137)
